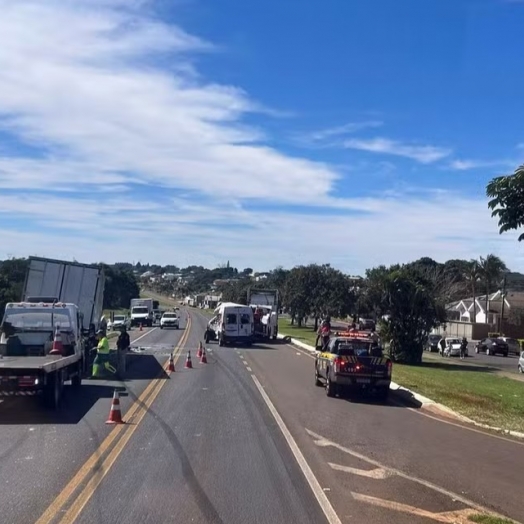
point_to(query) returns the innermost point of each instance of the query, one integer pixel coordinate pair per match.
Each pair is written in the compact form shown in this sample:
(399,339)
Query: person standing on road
(463,347)
(101,365)
(122,346)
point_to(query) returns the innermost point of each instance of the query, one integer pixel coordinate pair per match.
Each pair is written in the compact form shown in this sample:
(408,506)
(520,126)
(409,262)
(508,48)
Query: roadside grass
(305,334)
(473,391)
(488,519)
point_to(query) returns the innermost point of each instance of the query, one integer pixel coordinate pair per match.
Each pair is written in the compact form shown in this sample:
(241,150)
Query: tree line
(120,287)
(407,300)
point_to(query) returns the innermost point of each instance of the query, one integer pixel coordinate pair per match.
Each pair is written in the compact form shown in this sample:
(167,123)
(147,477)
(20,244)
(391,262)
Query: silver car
(521,363)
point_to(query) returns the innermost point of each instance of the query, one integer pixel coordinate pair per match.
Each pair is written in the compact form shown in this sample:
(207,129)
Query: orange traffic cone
(171,367)
(115,416)
(199,352)
(189,364)
(58,347)
(203,357)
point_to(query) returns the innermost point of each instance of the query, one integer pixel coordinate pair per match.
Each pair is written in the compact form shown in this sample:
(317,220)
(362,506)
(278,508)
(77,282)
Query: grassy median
(474,391)
(488,519)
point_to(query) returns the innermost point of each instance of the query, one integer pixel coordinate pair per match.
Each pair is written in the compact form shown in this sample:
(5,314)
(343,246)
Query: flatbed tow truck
(63,295)
(352,360)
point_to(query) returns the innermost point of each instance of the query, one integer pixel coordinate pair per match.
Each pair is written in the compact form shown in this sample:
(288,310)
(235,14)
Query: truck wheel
(161,326)
(206,337)
(53,390)
(220,341)
(330,387)
(317,379)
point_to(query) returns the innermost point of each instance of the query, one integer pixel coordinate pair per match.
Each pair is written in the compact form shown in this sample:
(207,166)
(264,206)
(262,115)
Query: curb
(424,401)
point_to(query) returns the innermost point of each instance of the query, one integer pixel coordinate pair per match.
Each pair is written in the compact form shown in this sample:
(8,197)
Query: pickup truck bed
(47,364)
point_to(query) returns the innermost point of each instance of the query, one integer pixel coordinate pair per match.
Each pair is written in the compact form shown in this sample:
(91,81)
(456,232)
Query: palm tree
(472,275)
(491,268)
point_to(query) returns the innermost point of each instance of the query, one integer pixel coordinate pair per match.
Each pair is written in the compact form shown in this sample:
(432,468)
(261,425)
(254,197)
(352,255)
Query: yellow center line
(51,512)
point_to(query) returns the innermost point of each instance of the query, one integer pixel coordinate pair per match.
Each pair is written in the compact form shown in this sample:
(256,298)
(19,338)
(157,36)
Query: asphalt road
(246,438)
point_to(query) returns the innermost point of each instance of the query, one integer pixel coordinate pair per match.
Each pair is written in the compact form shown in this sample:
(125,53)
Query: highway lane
(41,450)
(208,451)
(482,468)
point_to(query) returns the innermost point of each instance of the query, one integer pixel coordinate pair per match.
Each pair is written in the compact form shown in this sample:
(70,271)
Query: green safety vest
(103,346)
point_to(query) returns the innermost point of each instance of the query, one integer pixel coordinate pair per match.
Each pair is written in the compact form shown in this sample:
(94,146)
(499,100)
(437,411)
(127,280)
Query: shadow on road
(144,367)
(76,403)
(370,398)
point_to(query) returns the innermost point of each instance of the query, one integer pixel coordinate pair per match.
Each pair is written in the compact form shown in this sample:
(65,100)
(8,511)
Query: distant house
(467,310)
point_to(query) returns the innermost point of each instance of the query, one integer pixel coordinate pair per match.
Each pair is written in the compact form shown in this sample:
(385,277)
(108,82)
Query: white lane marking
(248,368)
(144,335)
(377,473)
(324,442)
(447,517)
(321,497)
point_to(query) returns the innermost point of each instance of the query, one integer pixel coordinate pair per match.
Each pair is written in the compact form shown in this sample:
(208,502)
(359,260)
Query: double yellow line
(120,435)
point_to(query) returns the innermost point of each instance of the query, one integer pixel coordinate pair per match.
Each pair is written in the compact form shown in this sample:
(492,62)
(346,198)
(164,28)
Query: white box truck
(142,311)
(56,293)
(265,303)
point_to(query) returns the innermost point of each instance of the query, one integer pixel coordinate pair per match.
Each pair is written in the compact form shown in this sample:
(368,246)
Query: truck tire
(161,326)
(206,337)
(53,390)
(220,341)
(330,387)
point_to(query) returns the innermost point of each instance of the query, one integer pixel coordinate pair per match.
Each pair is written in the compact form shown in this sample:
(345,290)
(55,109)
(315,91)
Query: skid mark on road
(321,441)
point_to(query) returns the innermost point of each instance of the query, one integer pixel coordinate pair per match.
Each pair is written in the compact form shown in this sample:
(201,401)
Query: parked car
(432,344)
(513,345)
(492,346)
(521,363)
(118,322)
(453,347)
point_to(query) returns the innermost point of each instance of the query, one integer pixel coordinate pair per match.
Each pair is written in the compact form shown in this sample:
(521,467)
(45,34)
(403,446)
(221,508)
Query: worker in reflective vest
(101,366)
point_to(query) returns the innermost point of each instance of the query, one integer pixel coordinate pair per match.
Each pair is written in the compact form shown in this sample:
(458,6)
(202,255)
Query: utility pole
(503,294)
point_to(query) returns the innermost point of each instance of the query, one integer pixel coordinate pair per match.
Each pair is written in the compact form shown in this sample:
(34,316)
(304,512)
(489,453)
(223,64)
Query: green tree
(491,268)
(507,200)
(120,287)
(472,274)
(408,301)
(12,278)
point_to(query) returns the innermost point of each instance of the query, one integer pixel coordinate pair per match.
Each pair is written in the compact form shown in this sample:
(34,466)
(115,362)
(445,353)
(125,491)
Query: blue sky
(263,132)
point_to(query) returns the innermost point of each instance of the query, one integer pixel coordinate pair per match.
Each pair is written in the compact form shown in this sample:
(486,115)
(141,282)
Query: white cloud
(421,153)
(351,127)
(74,79)
(138,157)
(465,165)
(392,229)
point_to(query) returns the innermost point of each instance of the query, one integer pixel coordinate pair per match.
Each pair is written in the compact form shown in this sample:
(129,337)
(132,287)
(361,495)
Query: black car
(432,344)
(492,346)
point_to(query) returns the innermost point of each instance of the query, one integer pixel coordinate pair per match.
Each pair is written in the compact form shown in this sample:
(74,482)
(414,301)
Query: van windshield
(140,310)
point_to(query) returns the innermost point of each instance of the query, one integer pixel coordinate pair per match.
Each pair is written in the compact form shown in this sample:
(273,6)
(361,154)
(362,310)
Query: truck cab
(28,329)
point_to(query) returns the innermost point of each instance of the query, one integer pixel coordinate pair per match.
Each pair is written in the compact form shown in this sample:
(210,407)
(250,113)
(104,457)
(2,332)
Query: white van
(232,324)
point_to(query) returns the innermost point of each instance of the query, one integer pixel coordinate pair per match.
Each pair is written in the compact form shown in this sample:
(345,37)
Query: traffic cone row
(115,415)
